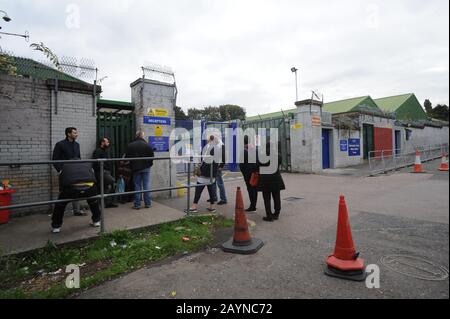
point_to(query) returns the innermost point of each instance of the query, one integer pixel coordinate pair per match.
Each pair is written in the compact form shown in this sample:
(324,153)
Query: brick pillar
(155,115)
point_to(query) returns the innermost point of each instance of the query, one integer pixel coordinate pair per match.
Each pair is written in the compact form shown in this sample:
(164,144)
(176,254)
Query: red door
(383,140)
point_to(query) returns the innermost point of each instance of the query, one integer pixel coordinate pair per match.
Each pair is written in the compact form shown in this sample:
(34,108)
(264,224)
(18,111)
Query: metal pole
(102,199)
(188,203)
(382,160)
(296,87)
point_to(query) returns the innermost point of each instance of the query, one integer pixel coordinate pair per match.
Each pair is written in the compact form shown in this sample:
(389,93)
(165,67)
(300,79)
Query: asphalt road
(400,223)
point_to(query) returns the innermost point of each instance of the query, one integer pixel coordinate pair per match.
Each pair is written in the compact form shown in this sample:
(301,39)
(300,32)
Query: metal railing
(101,196)
(383,161)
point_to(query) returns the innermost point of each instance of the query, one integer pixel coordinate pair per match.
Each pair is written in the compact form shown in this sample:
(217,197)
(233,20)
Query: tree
(428,106)
(440,112)
(194,114)
(211,113)
(179,114)
(48,53)
(231,112)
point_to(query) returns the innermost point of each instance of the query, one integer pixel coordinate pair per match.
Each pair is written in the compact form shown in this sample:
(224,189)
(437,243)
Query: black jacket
(139,148)
(101,153)
(206,165)
(73,173)
(271,182)
(248,168)
(65,150)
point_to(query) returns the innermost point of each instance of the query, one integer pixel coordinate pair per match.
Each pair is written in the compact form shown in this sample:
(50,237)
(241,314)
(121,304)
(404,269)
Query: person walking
(108,180)
(204,177)
(77,180)
(271,186)
(140,168)
(64,150)
(247,169)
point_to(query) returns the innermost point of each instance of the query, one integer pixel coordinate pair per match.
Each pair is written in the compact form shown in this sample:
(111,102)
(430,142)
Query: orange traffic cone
(344,263)
(444,163)
(418,164)
(241,243)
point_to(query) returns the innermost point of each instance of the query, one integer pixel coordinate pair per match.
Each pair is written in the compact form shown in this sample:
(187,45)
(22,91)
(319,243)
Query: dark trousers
(71,192)
(108,182)
(276,201)
(252,193)
(212,191)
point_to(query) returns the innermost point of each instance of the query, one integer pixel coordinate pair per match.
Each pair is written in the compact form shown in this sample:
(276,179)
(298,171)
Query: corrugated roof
(392,103)
(405,106)
(349,105)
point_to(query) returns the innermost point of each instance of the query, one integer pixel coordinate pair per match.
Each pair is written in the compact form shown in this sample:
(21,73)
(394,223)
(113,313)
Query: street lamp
(294,70)
(5,17)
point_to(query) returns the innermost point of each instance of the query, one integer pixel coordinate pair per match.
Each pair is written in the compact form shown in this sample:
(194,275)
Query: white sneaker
(96,224)
(56,230)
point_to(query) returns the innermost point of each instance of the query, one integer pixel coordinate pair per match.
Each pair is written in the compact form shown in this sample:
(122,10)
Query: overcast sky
(241,51)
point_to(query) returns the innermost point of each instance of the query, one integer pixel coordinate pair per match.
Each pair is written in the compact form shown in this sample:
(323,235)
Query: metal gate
(119,129)
(284,135)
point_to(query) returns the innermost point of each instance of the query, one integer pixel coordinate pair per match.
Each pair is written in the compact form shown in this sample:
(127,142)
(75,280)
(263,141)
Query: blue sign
(343,144)
(354,147)
(156,120)
(159,143)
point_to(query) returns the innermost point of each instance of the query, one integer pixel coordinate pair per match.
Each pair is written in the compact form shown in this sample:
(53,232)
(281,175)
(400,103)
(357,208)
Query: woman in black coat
(271,185)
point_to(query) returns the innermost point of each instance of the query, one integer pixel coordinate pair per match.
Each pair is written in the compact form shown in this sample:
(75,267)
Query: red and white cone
(418,164)
(444,163)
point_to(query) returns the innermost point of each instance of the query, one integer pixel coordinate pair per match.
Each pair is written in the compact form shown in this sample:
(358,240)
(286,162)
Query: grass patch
(41,273)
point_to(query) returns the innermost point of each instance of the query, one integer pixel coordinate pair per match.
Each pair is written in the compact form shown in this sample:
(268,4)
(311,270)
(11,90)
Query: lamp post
(5,16)
(294,70)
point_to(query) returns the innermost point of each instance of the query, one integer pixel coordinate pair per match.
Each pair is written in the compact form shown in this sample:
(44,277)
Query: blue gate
(325,149)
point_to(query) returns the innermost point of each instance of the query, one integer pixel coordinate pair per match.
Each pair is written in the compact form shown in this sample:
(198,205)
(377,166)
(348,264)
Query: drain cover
(415,267)
(293,199)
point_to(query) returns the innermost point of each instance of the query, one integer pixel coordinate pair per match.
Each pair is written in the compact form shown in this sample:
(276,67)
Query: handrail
(102,194)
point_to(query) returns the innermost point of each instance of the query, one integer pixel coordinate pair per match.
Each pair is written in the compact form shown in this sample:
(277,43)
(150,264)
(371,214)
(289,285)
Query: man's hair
(211,137)
(69,130)
(139,134)
(102,139)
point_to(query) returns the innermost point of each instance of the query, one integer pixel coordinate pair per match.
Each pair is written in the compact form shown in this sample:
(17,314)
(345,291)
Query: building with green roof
(406,107)
(364,103)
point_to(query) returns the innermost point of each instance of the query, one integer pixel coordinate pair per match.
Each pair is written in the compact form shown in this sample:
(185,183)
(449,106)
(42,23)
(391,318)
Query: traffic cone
(344,263)
(241,243)
(418,164)
(444,163)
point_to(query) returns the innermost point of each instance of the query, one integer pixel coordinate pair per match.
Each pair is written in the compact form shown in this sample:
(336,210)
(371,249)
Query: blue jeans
(221,185)
(141,183)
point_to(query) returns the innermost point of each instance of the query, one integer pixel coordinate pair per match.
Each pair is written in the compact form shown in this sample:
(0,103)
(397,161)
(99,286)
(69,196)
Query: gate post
(306,137)
(154,112)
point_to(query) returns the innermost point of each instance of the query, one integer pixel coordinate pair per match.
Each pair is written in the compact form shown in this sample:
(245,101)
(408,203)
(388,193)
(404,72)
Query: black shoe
(276,216)
(251,209)
(268,219)
(222,203)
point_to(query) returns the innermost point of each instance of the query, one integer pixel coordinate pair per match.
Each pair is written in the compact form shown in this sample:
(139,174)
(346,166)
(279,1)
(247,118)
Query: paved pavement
(400,223)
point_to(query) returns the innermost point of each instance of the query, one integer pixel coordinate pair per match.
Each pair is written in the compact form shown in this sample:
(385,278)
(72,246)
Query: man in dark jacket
(108,179)
(140,168)
(65,150)
(247,169)
(77,180)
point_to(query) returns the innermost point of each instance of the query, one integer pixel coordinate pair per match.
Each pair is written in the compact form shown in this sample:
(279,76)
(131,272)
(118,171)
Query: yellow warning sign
(157,112)
(296,126)
(158,130)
